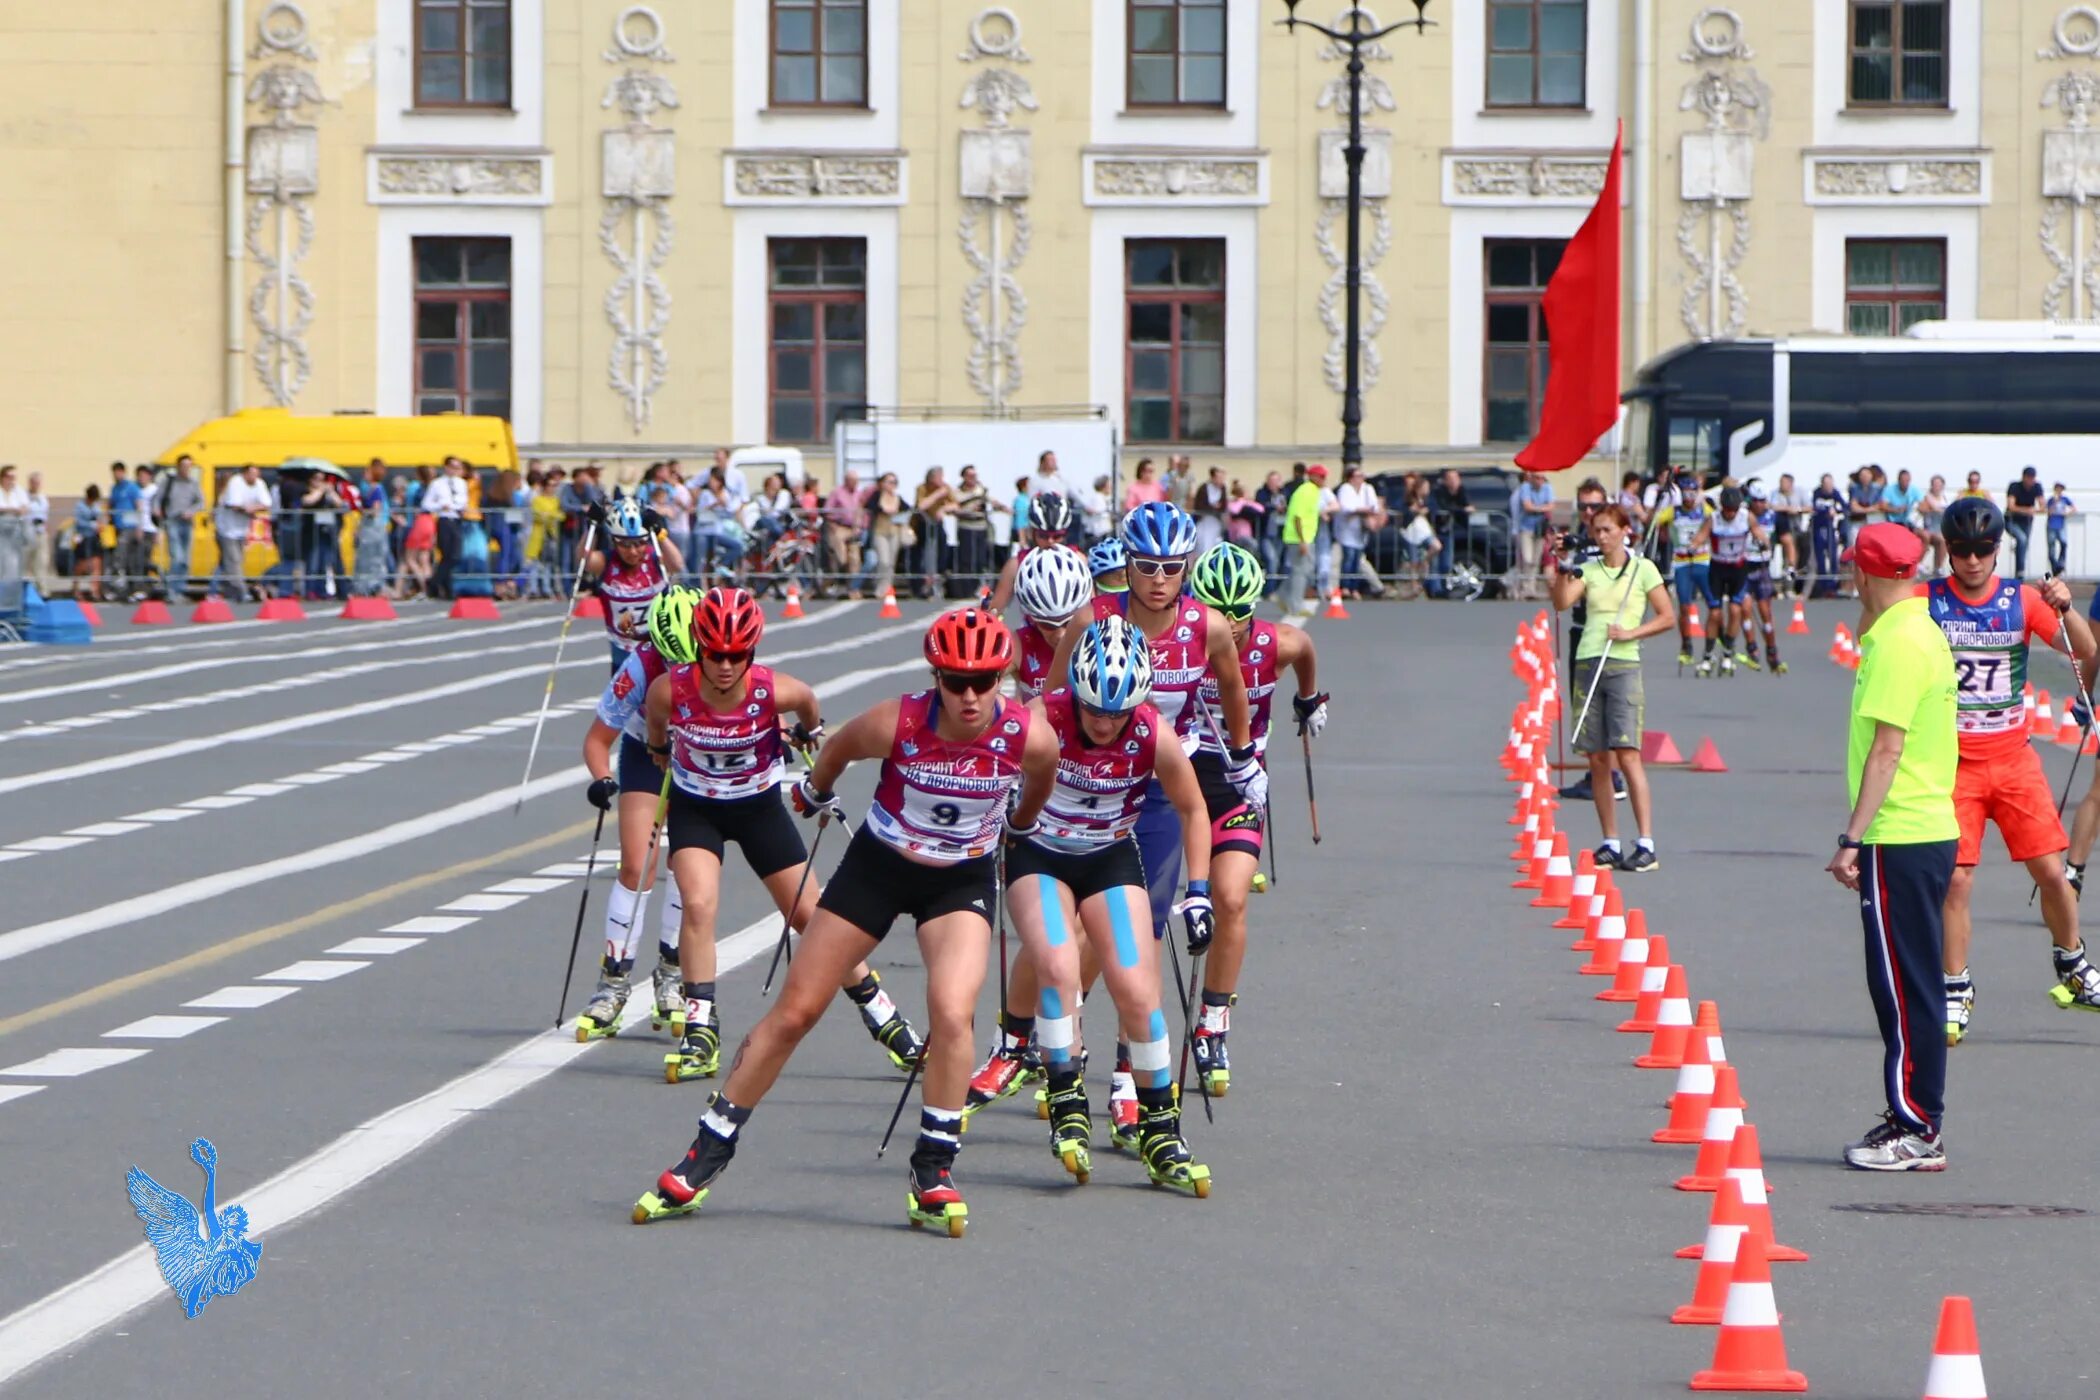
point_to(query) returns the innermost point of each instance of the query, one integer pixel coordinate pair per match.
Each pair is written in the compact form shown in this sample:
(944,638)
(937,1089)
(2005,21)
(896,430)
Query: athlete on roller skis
(1989,622)
(1111,569)
(1078,884)
(952,757)
(1050,519)
(639,566)
(1230,579)
(1053,587)
(715,722)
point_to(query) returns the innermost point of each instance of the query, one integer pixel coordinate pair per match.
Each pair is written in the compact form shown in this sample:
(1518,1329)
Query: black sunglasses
(1160,568)
(1972,551)
(734,658)
(970,682)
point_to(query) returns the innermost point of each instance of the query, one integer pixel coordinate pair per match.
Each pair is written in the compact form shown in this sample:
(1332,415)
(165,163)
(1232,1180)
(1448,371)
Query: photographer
(1576,547)
(1622,586)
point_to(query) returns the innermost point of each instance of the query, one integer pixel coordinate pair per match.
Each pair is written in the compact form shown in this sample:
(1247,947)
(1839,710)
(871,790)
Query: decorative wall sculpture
(1377,182)
(1716,169)
(2071,168)
(997,174)
(283,173)
(640,175)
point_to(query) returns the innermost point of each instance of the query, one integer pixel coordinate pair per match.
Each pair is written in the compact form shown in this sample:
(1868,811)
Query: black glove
(602,791)
(1311,711)
(1197,919)
(652,522)
(596,514)
(805,738)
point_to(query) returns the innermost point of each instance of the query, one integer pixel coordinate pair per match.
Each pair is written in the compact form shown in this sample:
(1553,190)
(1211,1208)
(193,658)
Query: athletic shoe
(1640,860)
(1961,1002)
(2078,981)
(1618,786)
(1579,790)
(1684,658)
(1727,665)
(1704,669)
(1749,658)
(1779,668)
(2076,875)
(1889,1146)
(1608,858)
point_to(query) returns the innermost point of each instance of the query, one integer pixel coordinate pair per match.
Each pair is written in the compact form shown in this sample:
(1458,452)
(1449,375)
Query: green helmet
(671,625)
(1228,578)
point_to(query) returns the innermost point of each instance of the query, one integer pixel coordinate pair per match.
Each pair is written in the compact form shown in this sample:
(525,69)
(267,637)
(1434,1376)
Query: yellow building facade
(645,230)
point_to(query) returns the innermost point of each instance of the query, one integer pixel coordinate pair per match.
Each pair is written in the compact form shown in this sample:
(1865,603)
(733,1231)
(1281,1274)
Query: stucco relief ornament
(283,173)
(636,232)
(994,227)
(1377,97)
(1716,168)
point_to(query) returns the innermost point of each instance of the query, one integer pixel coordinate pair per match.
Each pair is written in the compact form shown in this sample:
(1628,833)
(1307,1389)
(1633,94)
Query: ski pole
(2063,634)
(1188,1019)
(656,831)
(1312,803)
(904,1096)
(1268,832)
(547,697)
(561,1008)
(1604,656)
(787,920)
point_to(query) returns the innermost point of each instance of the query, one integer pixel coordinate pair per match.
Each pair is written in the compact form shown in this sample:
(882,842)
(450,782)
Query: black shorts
(1729,581)
(1234,825)
(636,770)
(760,825)
(874,885)
(1762,588)
(1085,874)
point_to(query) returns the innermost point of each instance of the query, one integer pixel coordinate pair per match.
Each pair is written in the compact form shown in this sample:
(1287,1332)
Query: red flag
(1582,335)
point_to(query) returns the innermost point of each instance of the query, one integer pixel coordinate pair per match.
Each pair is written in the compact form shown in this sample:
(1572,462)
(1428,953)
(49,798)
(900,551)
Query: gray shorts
(1614,718)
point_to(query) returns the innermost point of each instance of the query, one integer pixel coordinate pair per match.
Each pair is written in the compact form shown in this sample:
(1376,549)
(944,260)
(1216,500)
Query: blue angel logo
(201,1254)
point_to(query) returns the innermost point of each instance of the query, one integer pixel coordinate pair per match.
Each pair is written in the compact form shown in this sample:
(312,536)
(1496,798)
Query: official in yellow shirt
(1897,848)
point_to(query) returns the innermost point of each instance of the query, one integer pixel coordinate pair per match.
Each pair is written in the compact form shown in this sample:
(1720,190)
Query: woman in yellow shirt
(543,542)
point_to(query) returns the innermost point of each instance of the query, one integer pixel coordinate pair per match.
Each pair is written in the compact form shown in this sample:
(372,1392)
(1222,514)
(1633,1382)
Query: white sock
(1611,843)
(668,926)
(1646,843)
(624,909)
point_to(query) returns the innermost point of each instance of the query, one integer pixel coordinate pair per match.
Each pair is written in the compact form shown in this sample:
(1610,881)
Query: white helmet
(1053,583)
(1111,667)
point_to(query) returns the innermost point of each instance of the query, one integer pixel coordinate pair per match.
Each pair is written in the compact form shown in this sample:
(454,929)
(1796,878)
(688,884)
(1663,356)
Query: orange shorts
(2012,790)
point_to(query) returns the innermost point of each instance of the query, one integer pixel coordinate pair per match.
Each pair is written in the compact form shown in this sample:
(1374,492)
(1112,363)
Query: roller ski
(1727,664)
(1704,669)
(601,1014)
(1213,1066)
(1123,1109)
(1072,1130)
(1002,1075)
(682,1189)
(1168,1160)
(932,1202)
(669,1014)
(1749,659)
(1778,668)
(2078,985)
(895,1034)
(1684,659)
(699,1052)
(1961,1003)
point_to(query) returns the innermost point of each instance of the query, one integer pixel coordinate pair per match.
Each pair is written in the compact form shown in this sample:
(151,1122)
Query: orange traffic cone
(1800,622)
(1695,1081)
(1724,1239)
(1957,1361)
(372,609)
(2041,721)
(889,604)
(588,607)
(1534,876)
(1750,1353)
(1557,889)
(794,601)
(1637,955)
(280,610)
(1746,1167)
(1691,619)
(1673,1025)
(1643,987)
(1706,758)
(1838,639)
(1658,747)
(1611,932)
(1580,892)
(2092,740)
(1723,1116)
(475,610)
(1335,609)
(2068,734)
(211,610)
(150,613)
(1598,897)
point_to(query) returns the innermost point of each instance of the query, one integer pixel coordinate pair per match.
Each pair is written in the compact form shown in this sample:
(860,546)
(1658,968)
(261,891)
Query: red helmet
(729,620)
(969,639)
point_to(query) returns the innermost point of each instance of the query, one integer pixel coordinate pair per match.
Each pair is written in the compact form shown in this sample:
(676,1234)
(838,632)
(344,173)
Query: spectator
(715,532)
(1630,501)
(1022,495)
(14,525)
(149,484)
(505,507)
(1046,474)
(1827,505)
(129,566)
(1093,504)
(294,528)
(1450,512)
(181,502)
(87,544)
(1359,515)
(735,490)
(1207,501)
(445,499)
(2022,498)
(1660,493)
(1793,508)
(1533,503)
(1862,500)
(372,563)
(1931,508)
(1301,537)
(889,533)
(39,532)
(1975,487)
(1418,537)
(843,525)
(1899,502)
(1271,497)
(418,556)
(1243,518)
(543,544)
(931,504)
(244,507)
(973,529)
(2060,512)
(1144,486)
(322,501)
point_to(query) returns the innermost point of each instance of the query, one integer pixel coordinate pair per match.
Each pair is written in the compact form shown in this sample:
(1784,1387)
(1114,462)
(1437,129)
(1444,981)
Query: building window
(1177,53)
(1891,285)
(817,289)
(1899,53)
(1535,54)
(820,53)
(1174,342)
(463,325)
(1514,376)
(463,53)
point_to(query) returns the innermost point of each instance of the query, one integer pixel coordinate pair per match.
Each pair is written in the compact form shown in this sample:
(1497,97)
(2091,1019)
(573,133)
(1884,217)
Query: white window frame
(750,333)
(1960,229)
(1958,124)
(1474,125)
(1112,228)
(756,125)
(398,123)
(395,348)
(1236,126)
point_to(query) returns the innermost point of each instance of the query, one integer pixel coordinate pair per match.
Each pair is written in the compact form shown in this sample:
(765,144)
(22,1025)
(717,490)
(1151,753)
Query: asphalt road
(1432,1177)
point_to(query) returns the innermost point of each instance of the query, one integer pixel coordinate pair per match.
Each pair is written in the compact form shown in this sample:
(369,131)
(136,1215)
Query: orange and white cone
(793,607)
(1611,932)
(1651,986)
(889,604)
(1599,897)
(1580,891)
(1723,1116)
(1957,1361)
(1557,889)
(1673,1024)
(1800,623)
(1335,610)
(1754,1213)
(1724,1239)
(2041,721)
(1534,875)
(1695,1080)
(1750,1353)
(1692,619)
(1639,956)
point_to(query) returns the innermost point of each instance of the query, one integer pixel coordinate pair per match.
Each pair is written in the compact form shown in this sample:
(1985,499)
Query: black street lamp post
(1354,40)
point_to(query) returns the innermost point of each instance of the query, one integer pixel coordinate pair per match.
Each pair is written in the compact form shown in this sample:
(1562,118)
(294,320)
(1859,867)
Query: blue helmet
(1111,667)
(1158,530)
(623,520)
(1106,557)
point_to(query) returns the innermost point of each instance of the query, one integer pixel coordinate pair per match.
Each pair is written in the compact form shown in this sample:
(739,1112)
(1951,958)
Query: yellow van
(268,437)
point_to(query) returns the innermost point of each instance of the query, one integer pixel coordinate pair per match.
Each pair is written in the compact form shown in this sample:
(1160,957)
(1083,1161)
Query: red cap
(1317,470)
(1886,551)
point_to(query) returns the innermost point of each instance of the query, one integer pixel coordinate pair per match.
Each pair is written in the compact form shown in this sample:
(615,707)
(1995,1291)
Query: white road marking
(108,828)
(217,803)
(482,903)
(525,885)
(239,998)
(64,1318)
(129,646)
(70,1064)
(311,779)
(6,856)
(574,869)
(429,923)
(50,843)
(155,903)
(374,947)
(349,767)
(162,1027)
(19,1091)
(161,814)
(312,970)
(259,789)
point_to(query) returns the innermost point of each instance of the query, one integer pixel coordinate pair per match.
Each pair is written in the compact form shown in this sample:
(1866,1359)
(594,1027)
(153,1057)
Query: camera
(1574,548)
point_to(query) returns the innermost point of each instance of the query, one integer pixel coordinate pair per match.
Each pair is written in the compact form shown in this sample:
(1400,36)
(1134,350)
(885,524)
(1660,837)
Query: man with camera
(1575,546)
